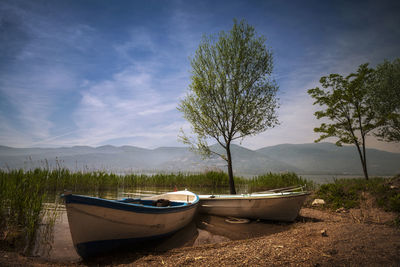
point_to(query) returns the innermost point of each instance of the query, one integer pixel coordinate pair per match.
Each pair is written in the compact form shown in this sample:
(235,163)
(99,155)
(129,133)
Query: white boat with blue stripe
(98,225)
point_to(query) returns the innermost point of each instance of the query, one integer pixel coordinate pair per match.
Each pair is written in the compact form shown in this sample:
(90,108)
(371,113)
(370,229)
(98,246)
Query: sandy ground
(360,237)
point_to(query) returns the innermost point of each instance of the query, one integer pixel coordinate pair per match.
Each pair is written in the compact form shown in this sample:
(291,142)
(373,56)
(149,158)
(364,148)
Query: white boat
(99,225)
(275,206)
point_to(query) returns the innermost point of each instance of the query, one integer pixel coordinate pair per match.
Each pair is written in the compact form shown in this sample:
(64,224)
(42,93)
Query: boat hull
(98,225)
(276,207)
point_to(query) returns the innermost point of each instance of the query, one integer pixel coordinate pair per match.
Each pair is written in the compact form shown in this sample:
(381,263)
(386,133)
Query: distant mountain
(327,158)
(321,158)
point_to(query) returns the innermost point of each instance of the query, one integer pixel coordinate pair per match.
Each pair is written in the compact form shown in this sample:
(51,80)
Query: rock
(324,233)
(318,202)
(341,210)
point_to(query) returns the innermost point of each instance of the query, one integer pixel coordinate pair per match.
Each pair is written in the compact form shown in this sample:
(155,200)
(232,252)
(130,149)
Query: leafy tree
(385,96)
(232,94)
(347,109)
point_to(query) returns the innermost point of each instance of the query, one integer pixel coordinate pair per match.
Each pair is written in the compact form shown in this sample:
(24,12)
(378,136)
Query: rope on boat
(237,220)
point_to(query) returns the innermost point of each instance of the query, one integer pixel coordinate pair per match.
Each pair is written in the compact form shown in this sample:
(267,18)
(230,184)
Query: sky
(96,72)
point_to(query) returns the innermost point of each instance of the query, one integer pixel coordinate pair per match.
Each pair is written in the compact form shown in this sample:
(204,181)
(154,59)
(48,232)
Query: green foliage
(95,183)
(394,202)
(348,107)
(385,95)
(278,180)
(211,179)
(231,94)
(21,201)
(337,195)
(387,197)
(348,193)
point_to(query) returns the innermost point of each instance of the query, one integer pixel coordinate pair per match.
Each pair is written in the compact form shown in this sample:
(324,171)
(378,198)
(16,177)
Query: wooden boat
(98,225)
(274,206)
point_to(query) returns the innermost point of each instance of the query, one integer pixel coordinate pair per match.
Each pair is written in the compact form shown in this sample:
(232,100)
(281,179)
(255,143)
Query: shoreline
(318,237)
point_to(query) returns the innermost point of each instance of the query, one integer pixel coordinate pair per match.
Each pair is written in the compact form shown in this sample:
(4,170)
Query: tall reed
(22,195)
(278,180)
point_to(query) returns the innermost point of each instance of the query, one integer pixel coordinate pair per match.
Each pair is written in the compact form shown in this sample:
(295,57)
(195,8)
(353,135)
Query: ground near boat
(361,237)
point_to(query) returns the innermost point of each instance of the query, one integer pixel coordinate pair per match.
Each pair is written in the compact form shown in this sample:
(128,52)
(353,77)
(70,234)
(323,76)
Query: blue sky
(113,72)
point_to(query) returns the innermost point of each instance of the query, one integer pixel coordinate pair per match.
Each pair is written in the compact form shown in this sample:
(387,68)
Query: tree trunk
(230,171)
(365,171)
(363,159)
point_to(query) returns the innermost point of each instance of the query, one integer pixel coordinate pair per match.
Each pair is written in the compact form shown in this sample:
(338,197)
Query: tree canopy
(347,109)
(385,97)
(232,94)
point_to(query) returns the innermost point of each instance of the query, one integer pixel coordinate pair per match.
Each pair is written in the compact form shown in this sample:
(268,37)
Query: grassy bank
(350,193)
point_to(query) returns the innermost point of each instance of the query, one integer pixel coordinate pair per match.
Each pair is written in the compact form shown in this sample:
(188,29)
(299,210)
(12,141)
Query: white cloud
(140,40)
(127,106)
(37,82)
(159,109)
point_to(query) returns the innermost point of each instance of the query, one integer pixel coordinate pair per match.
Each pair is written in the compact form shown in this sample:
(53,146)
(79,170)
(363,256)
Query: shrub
(347,193)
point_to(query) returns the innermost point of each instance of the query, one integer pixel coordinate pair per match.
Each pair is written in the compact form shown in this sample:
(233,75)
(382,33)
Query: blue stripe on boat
(120,205)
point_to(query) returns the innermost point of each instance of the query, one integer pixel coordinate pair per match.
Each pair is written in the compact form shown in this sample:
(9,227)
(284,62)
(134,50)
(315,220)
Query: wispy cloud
(37,80)
(130,104)
(35,97)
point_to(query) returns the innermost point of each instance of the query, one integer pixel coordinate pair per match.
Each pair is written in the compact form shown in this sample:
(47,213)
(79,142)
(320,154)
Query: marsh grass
(211,179)
(278,180)
(22,195)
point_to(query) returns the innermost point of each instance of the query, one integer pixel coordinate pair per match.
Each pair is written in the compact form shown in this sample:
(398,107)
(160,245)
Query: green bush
(347,193)
(337,195)
(394,202)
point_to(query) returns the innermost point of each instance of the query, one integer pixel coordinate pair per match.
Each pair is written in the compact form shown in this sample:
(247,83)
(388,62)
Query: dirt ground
(360,237)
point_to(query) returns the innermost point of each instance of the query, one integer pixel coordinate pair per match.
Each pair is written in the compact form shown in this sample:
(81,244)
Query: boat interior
(175,196)
(155,203)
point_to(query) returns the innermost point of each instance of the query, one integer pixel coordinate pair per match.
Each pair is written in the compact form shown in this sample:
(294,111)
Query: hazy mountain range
(321,158)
